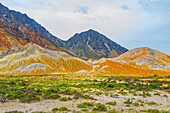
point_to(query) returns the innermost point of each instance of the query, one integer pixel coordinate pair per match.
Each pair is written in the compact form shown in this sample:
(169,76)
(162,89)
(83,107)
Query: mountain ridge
(27,30)
(13,16)
(96,43)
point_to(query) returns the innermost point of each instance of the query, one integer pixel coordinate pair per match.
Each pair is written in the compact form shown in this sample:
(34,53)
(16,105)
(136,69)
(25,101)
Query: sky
(131,23)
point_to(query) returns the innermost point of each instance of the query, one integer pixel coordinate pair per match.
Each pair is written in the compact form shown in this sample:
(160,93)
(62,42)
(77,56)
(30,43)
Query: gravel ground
(163,103)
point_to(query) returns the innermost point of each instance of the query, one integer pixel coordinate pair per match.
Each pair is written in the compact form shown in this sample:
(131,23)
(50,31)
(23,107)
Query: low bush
(14,112)
(112,111)
(63,99)
(55,109)
(84,110)
(85,105)
(52,96)
(128,101)
(151,103)
(63,109)
(127,105)
(111,103)
(136,104)
(101,107)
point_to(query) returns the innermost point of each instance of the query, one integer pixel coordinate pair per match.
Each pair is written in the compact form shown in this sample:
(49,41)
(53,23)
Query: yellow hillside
(36,60)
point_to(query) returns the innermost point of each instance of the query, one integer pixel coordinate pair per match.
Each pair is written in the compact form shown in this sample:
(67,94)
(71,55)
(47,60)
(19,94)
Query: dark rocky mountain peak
(94,45)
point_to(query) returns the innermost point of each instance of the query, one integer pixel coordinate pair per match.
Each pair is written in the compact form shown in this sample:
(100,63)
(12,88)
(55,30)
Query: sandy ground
(163,103)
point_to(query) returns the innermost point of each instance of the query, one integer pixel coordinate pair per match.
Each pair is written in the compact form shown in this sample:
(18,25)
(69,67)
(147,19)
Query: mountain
(91,44)
(25,29)
(35,60)
(111,66)
(18,29)
(139,61)
(147,58)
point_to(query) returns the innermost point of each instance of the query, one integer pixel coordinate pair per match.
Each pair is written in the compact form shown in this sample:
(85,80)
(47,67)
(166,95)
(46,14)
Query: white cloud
(62,18)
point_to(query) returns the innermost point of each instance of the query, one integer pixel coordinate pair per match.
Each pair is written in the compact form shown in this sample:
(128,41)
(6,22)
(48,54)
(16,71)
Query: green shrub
(15,95)
(143,110)
(153,111)
(81,106)
(128,101)
(85,105)
(136,104)
(89,104)
(94,109)
(39,112)
(147,94)
(14,112)
(130,109)
(151,103)
(111,103)
(155,75)
(101,107)
(122,109)
(52,96)
(157,94)
(23,96)
(84,110)
(63,109)
(164,111)
(112,111)
(127,105)
(116,94)
(141,104)
(141,101)
(63,99)
(69,98)
(122,93)
(55,109)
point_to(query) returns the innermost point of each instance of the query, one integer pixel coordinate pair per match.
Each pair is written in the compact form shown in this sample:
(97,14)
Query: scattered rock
(3,99)
(165,96)
(75,97)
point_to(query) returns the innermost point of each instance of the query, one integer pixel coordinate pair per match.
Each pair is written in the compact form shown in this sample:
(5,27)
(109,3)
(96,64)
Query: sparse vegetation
(34,88)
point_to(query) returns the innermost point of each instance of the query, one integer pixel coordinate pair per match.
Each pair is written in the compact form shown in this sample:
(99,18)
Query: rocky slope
(91,44)
(18,19)
(35,60)
(18,28)
(139,61)
(147,58)
(120,68)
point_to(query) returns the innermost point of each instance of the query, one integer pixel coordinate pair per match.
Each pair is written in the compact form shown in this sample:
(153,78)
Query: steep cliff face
(91,44)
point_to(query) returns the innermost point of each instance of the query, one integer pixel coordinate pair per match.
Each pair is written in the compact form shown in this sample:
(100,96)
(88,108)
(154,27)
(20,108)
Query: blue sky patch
(83,9)
(125,7)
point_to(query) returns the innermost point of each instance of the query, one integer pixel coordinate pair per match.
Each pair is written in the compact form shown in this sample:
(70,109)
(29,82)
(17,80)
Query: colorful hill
(35,60)
(140,61)
(120,68)
(146,58)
